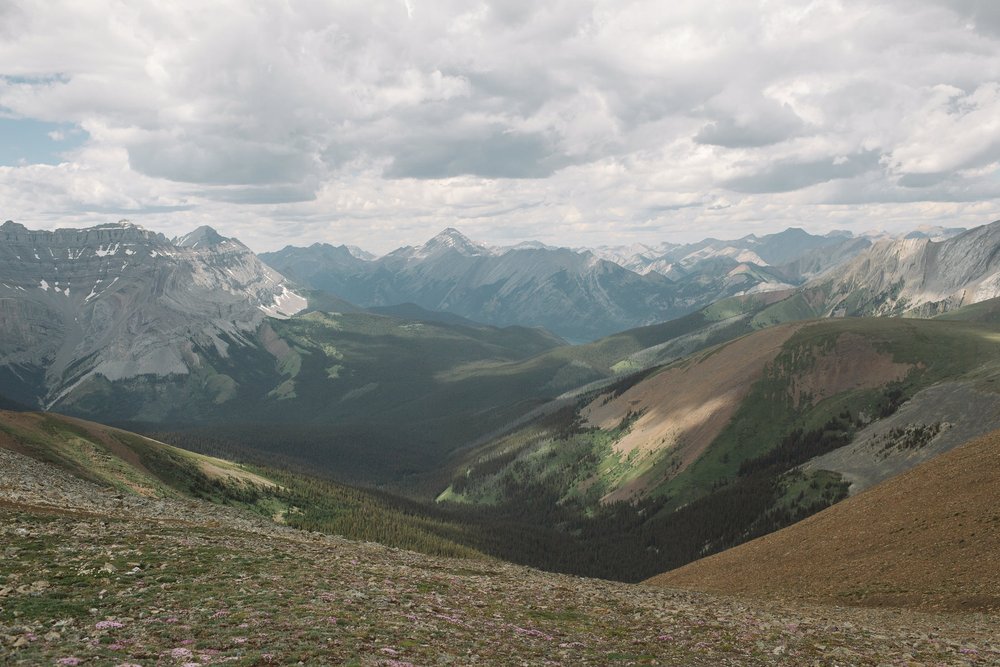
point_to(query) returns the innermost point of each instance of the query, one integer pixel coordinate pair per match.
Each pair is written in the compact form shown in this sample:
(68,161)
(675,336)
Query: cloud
(746,124)
(495,154)
(788,176)
(381,122)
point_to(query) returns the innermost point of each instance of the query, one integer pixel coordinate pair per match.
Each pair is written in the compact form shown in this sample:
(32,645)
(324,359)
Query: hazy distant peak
(452,239)
(360,253)
(203,237)
(526,245)
(124,223)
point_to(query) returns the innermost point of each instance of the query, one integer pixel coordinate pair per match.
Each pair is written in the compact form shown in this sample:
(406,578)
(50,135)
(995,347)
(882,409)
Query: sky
(577,123)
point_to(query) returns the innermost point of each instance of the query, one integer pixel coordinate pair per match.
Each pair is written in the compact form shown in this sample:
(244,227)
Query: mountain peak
(452,239)
(121,224)
(11,226)
(451,234)
(202,237)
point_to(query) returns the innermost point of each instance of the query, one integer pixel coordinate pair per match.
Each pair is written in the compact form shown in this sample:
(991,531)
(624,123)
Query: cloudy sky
(573,122)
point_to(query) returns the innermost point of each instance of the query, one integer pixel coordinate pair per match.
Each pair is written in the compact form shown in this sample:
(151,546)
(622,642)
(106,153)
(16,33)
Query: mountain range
(583,294)
(121,324)
(578,294)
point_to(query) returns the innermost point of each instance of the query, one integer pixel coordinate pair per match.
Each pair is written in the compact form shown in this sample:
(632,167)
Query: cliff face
(120,301)
(917,276)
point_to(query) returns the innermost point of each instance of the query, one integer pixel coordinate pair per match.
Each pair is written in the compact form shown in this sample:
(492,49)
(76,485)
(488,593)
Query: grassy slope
(127,463)
(110,590)
(984,311)
(923,538)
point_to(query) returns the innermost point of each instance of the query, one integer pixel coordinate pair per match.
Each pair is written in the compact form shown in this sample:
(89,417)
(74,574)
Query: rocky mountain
(119,302)
(914,276)
(575,294)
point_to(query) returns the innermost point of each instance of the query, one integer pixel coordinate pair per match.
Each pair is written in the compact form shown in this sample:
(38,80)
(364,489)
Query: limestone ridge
(119,301)
(916,276)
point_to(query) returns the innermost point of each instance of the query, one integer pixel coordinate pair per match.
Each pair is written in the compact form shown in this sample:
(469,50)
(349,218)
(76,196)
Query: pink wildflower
(108,625)
(69,661)
(179,653)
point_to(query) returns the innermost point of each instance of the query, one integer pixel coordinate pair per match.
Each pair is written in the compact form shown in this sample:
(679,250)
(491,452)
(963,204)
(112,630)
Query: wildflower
(69,661)
(108,625)
(179,653)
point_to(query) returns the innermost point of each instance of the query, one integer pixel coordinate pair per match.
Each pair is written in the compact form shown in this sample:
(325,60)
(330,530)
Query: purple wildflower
(108,625)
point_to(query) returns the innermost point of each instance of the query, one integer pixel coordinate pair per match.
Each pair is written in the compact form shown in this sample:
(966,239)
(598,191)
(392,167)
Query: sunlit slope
(929,537)
(121,464)
(119,460)
(746,437)
(680,430)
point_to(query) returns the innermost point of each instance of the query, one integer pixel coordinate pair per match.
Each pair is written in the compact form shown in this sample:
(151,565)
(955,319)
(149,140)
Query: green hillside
(665,497)
(132,465)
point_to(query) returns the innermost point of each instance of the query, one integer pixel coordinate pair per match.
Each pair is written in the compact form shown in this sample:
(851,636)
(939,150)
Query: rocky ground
(87,577)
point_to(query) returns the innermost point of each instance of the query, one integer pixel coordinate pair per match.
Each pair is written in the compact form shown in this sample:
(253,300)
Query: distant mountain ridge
(579,294)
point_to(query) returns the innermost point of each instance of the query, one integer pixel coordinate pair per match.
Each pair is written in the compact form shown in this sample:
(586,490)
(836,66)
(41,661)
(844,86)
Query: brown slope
(927,538)
(686,406)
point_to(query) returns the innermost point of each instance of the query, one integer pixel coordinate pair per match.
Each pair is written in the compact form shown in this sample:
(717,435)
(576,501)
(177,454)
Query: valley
(328,426)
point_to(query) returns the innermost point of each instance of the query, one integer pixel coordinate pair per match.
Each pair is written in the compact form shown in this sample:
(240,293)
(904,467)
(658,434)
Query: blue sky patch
(26,141)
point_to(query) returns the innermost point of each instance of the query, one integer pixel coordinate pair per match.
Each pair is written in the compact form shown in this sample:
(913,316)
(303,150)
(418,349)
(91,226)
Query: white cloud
(380,122)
